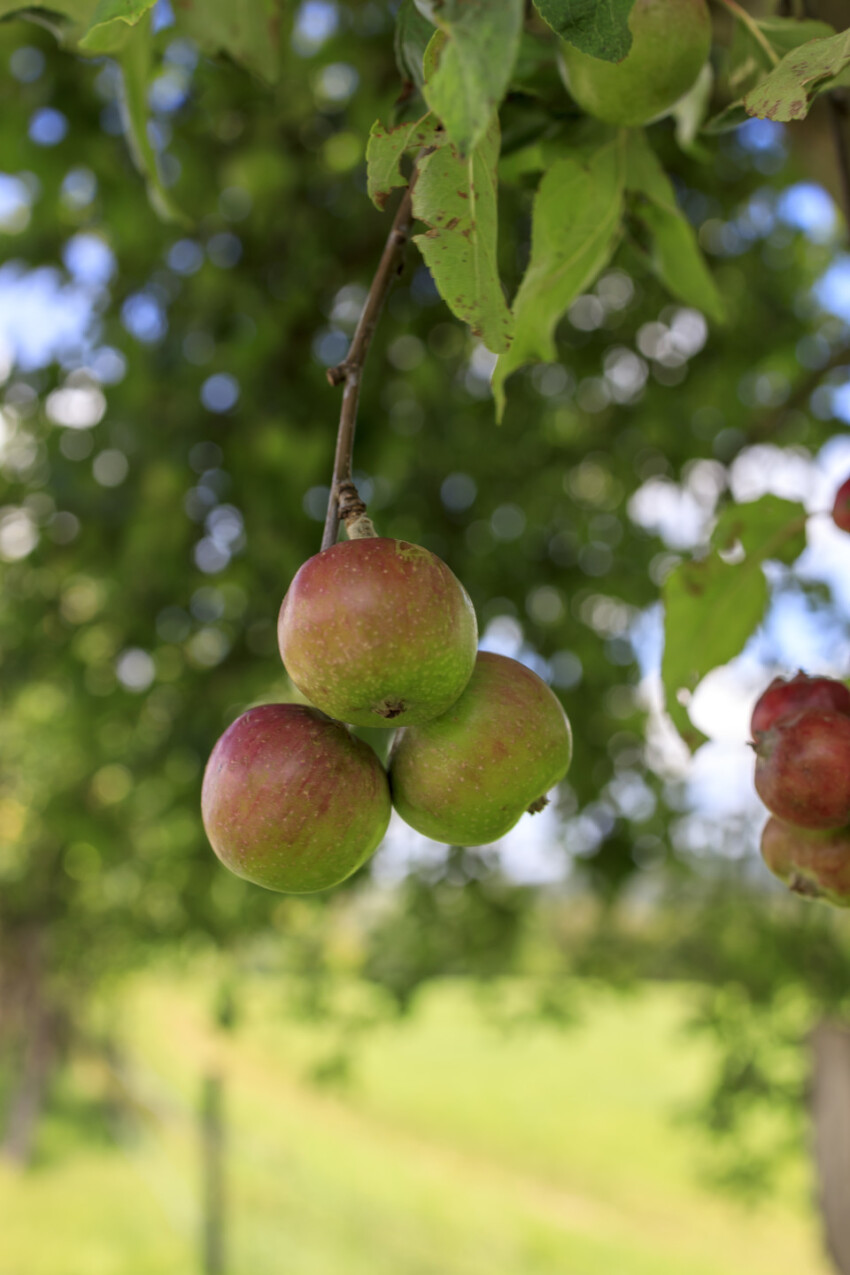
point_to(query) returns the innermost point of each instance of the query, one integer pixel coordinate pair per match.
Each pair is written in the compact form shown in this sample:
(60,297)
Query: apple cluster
(379,632)
(801,735)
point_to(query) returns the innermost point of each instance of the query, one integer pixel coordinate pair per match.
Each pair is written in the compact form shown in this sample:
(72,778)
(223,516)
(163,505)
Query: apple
(803,769)
(291,800)
(466,777)
(841,506)
(814,864)
(378,632)
(671,40)
(786,697)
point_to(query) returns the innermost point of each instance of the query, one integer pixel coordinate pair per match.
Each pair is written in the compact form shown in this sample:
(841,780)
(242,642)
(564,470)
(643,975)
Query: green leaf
(475,64)
(675,254)
(712,607)
(732,116)
(535,72)
(110,21)
(385,149)
(787,92)
(574,231)
(248,31)
(710,610)
(91,26)
(433,52)
(64,19)
(785,34)
(597,27)
(412,33)
(839,81)
(769,527)
(74,10)
(690,111)
(748,62)
(456,196)
(134,61)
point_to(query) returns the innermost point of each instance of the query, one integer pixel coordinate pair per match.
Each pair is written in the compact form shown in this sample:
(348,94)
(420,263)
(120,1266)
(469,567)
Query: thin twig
(754,29)
(350,371)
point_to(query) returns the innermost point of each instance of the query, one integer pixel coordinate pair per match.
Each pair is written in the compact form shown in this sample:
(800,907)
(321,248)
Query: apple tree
(594,312)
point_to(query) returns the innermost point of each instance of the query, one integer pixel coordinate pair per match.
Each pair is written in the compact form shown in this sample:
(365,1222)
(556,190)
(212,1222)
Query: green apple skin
(292,801)
(671,40)
(378,632)
(813,864)
(467,777)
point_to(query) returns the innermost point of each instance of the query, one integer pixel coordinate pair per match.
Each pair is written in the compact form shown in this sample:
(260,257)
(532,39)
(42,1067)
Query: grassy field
(457,1149)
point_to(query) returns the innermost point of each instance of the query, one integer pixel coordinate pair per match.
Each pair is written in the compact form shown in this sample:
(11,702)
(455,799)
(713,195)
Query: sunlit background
(585,1048)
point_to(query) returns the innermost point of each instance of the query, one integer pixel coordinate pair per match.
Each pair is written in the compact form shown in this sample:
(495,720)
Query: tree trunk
(35,1028)
(212,1145)
(831,1121)
(27,1100)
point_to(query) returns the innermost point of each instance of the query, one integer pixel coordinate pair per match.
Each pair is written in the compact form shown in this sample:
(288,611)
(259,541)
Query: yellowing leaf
(456,196)
(384,152)
(787,92)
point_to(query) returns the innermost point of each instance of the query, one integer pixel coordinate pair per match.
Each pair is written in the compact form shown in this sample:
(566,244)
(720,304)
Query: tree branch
(836,121)
(837,111)
(344,501)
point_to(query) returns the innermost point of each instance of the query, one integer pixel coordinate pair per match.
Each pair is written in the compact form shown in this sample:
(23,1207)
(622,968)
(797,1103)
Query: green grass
(458,1150)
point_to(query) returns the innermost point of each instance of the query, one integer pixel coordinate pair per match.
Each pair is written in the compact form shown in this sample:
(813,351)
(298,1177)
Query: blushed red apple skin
(292,801)
(841,506)
(378,632)
(786,697)
(803,769)
(467,777)
(813,864)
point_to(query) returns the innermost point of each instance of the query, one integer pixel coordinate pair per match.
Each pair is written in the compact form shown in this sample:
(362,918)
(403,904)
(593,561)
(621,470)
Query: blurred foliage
(464,920)
(164,457)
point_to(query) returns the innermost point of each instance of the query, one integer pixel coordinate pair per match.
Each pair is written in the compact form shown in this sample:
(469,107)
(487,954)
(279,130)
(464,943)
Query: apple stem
(343,495)
(352,511)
